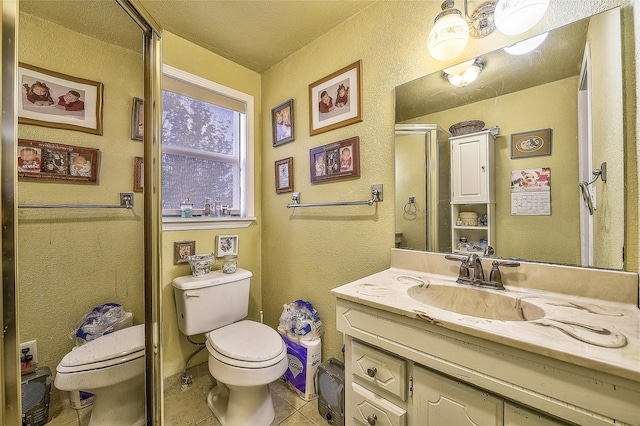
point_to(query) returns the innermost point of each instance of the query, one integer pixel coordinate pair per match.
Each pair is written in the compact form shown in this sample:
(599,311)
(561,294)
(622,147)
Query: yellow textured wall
(546,106)
(188,57)
(70,261)
(308,252)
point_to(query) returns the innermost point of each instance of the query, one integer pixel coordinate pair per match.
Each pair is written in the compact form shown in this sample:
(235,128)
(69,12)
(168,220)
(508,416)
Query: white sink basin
(476,302)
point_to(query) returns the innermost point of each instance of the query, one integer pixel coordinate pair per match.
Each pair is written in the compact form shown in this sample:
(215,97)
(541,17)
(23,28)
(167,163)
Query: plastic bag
(102,320)
(301,319)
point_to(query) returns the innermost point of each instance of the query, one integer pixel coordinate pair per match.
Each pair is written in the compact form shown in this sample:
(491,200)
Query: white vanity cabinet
(472,186)
(414,372)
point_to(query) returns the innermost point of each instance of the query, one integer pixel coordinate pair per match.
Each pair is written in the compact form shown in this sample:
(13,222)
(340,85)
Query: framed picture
(282,123)
(47,161)
(338,160)
(138,174)
(226,245)
(534,143)
(182,250)
(137,119)
(284,175)
(335,100)
(52,99)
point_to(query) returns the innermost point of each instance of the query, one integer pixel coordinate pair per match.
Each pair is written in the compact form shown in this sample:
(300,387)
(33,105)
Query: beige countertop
(602,335)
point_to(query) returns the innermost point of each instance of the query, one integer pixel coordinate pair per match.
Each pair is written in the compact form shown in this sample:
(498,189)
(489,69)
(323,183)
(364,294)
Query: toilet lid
(128,342)
(246,341)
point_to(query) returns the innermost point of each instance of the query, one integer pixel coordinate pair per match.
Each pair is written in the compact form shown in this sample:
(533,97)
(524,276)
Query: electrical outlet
(32,347)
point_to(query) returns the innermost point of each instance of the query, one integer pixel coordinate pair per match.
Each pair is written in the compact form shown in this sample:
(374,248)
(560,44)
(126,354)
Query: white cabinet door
(517,415)
(440,401)
(471,168)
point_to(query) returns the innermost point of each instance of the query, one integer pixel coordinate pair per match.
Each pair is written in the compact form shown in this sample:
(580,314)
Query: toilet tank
(206,303)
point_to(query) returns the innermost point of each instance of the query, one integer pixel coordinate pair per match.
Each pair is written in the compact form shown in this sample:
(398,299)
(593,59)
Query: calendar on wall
(531,192)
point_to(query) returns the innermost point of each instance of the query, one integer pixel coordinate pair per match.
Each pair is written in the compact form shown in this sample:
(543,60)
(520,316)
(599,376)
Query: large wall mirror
(571,84)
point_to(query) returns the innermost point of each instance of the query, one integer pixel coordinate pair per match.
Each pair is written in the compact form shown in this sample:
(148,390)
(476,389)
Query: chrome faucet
(473,261)
(476,263)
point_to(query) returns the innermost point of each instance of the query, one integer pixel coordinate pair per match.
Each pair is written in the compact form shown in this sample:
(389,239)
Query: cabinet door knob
(372,419)
(371,371)
(483,168)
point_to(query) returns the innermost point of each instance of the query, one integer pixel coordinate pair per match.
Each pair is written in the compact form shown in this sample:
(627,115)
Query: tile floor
(189,407)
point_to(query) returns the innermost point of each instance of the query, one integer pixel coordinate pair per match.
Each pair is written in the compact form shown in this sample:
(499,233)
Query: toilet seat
(111,349)
(246,344)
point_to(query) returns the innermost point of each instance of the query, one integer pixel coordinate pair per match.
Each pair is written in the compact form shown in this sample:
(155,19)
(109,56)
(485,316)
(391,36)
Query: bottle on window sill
(207,207)
(217,207)
(186,208)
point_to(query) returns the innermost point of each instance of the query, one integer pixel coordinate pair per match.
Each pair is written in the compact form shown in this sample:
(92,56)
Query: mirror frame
(11,413)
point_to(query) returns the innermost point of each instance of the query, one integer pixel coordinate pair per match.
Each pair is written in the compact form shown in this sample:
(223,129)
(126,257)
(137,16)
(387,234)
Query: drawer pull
(371,371)
(372,419)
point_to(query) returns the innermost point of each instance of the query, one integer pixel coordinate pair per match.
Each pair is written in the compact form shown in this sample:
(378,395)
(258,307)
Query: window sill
(195,223)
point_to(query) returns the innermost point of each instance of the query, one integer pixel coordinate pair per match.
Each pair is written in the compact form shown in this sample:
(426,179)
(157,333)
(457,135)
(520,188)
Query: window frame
(246,163)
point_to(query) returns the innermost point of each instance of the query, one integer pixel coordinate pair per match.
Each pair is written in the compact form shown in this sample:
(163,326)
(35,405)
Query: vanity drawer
(367,408)
(380,369)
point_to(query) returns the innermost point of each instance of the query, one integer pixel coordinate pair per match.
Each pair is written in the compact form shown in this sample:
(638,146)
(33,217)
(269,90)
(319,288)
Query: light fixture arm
(481,21)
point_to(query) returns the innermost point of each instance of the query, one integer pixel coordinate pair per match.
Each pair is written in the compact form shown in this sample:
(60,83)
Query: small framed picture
(335,101)
(534,143)
(282,123)
(137,120)
(339,160)
(52,99)
(138,174)
(284,175)
(182,250)
(46,161)
(226,245)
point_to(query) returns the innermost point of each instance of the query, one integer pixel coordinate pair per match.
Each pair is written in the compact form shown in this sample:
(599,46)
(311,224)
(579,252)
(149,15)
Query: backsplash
(610,285)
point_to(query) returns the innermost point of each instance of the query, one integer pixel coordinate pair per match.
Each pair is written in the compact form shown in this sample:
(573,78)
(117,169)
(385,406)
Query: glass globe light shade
(514,17)
(463,74)
(526,46)
(448,37)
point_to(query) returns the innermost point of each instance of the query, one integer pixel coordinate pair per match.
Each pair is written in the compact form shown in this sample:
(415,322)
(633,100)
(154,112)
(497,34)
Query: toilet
(244,356)
(111,367)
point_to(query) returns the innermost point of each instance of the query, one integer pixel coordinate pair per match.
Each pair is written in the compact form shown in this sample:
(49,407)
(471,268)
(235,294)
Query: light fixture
(463,74)
(514,17)
(449,35)
(526,46)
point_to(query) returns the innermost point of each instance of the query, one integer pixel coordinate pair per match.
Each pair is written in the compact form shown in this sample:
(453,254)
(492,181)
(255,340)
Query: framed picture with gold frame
(534,143)
(335,101)
(53,99)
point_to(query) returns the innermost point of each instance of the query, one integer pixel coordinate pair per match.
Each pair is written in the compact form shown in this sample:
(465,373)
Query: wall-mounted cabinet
(473,190)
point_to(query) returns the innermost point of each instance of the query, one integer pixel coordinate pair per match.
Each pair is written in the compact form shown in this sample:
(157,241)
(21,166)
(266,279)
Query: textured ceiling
(256,34)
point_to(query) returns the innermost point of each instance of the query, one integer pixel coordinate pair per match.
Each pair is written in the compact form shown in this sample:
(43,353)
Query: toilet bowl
(112,368)
(244,357)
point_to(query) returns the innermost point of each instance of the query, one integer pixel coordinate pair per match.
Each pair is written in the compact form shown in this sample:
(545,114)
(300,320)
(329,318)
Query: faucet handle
(463,272)
(496,276)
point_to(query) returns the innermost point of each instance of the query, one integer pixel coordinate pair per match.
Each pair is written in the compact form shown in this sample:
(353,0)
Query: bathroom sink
(476,302)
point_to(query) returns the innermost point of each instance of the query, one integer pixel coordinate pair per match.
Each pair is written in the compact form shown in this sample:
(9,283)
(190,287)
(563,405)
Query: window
(207,150)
